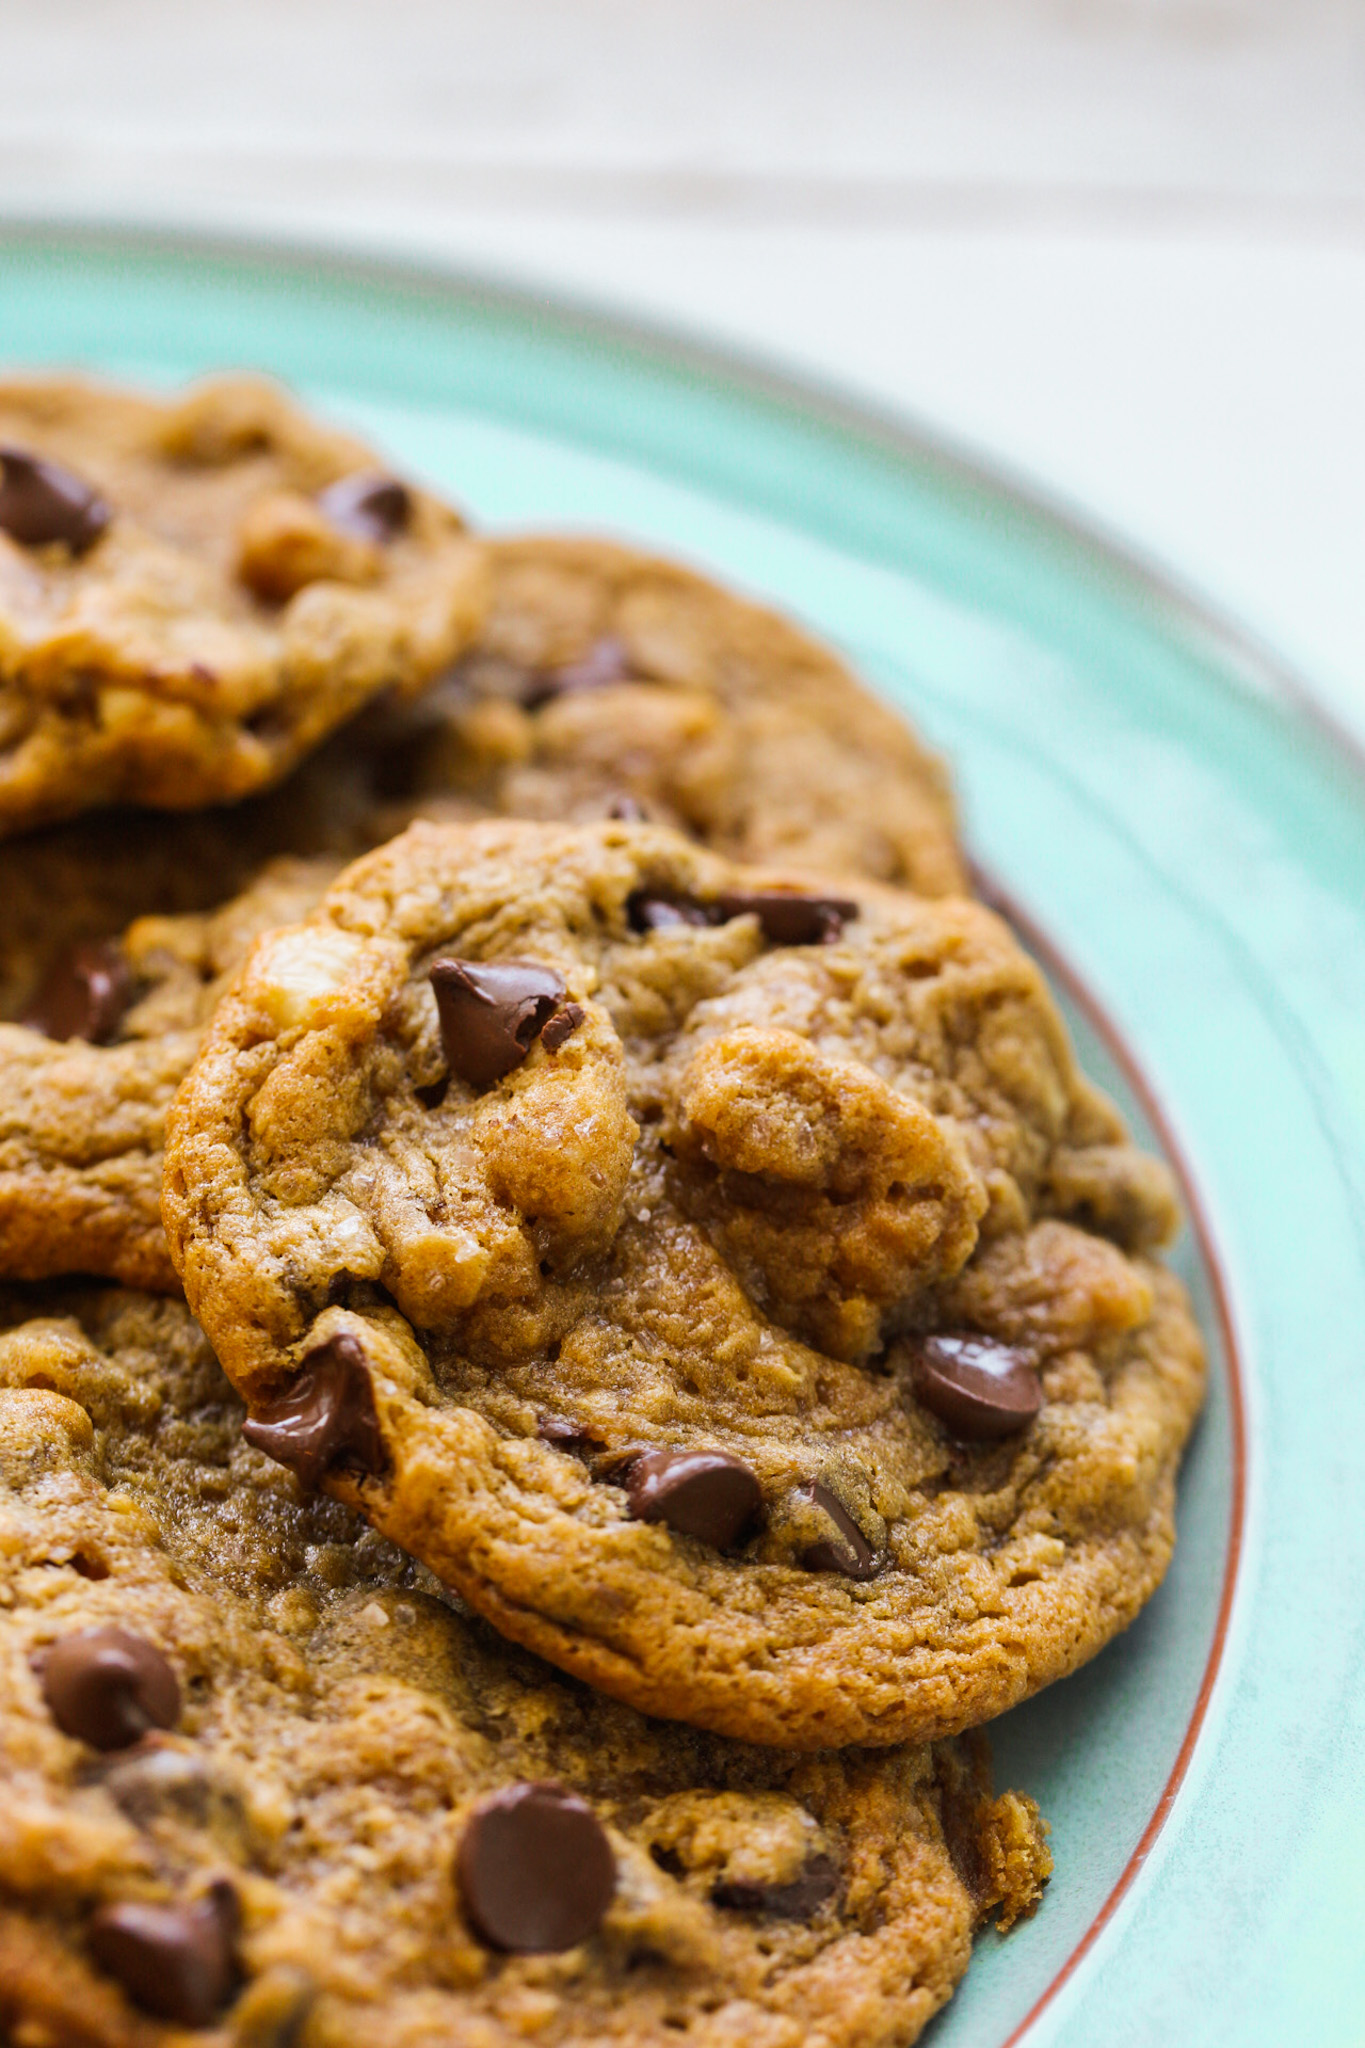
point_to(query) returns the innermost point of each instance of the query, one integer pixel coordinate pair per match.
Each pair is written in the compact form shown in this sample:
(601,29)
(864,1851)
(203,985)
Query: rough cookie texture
(82,1124)
(603,676)
(233,604)
(719,1209)
(291,1838)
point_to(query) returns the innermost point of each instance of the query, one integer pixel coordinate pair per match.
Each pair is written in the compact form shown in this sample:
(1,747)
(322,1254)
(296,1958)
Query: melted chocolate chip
(848,1551)
(536,1870)
(788,919)
(567,1436)
(86,994)
(562,1025)
(369,506)
(177,1962)
(606,661)
(706,1494)
(795,1901)
(41,502)
(492,1013)
(107,1687)
(658,913)
(977,1388)
(157,1781)
(327,1419)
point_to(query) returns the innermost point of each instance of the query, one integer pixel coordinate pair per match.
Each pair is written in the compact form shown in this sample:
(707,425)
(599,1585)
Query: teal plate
(1185,845)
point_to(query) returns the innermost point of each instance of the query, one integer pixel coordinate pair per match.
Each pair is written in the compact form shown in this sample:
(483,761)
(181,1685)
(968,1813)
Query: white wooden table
(1116,245)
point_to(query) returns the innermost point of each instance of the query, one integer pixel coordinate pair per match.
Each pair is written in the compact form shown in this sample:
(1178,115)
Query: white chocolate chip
(303,969)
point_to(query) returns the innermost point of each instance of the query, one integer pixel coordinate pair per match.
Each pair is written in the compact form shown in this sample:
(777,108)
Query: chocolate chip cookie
(604,679)
(730,1286)
(264,1782)
(194,591)
(86,1075)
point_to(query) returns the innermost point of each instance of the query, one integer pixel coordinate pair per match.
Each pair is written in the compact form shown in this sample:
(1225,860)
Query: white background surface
(1117,245)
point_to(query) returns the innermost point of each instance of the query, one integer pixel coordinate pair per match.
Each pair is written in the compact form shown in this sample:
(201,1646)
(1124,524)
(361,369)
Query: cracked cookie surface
(777,1344)
(194,592)
(266,1786)
(603,676)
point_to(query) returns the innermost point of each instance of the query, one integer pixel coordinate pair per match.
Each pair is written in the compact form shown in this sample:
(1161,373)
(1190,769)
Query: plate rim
(1251,662)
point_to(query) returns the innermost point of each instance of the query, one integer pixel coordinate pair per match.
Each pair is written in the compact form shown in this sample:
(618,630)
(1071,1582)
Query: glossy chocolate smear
(42,502)
(795,1901)
(789,919)
(327,1420)
(605,662)
(492,1012)
(848,1550)
(977,1388)
(177,1962)
(107,1687)
(566,1435)
(657,912)
(706,1494)
(86,994)
(536,1870)
(785,917)
(369,506)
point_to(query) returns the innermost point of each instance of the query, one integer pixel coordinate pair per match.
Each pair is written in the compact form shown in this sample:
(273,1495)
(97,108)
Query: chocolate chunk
(795,1901)
(87,994)
(788,919)
(706,1494)
(108,1687)
(536,1870)
(562,1025)
(368,506)
(41,502)
(847,1552)
(977,1388)
(491,1013)
(566,1435)
(327,1420)
(606,661)
(177,1962)
(649,912)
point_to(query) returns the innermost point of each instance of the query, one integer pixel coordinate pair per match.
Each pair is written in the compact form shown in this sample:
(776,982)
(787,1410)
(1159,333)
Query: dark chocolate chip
(536,1870)
(86,994)
(108,1687)
(977,1388)
(849,1551)
(788,919)
(627,810)
(706,1494)
(795,1901)
(649,912)
(606,661)
(562,1025)
(491,1013)
(369,506)
(177,1962)
(327,1419)
(41,502)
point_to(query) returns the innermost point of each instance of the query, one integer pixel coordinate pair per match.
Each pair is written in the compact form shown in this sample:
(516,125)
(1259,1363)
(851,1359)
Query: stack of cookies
(569,1325)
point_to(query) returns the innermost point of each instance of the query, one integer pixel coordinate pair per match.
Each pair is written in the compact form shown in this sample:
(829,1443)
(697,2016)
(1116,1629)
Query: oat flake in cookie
(262,1787)
(195,591)
(778,1345)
